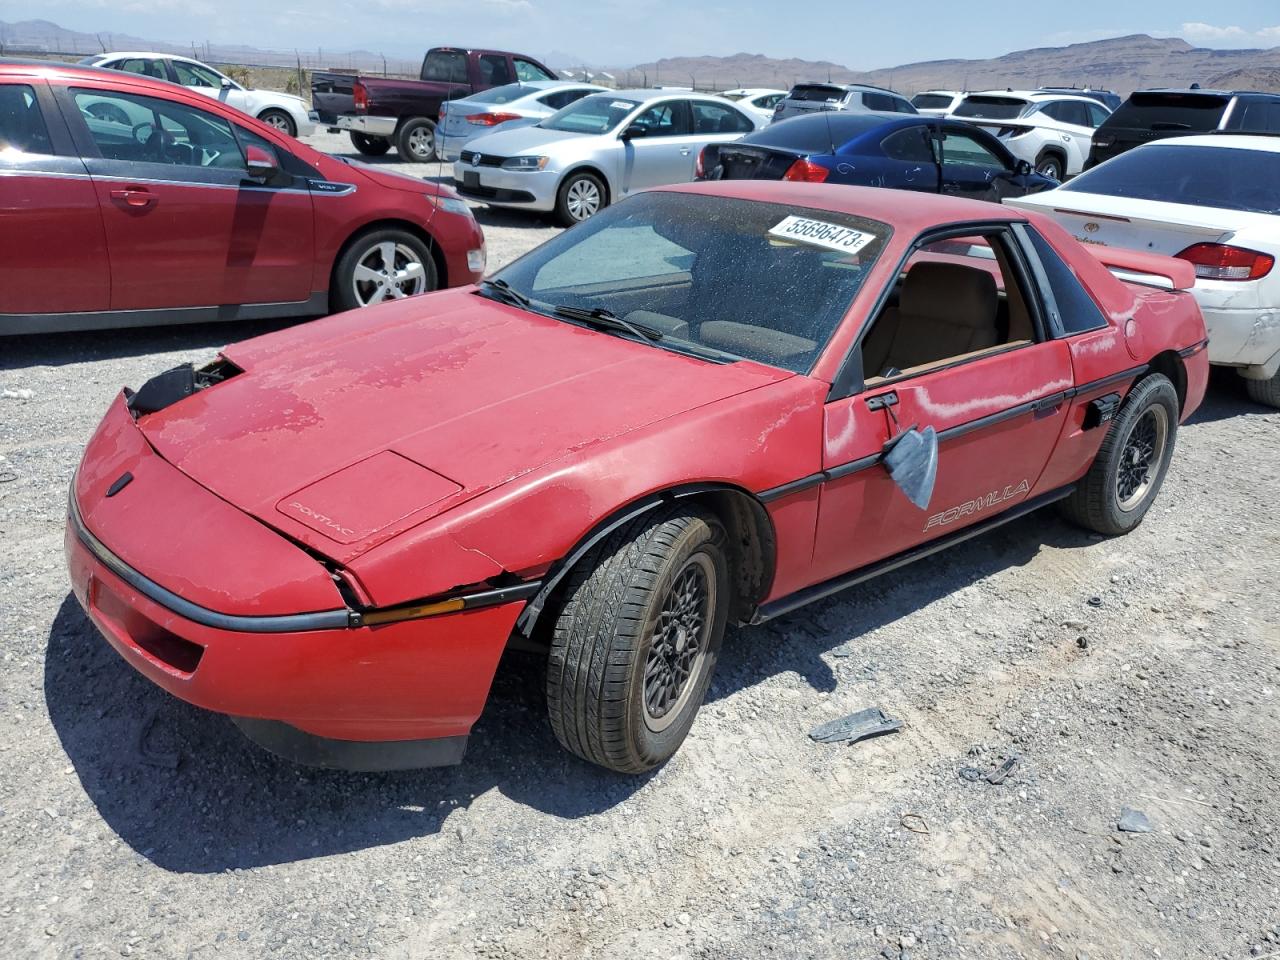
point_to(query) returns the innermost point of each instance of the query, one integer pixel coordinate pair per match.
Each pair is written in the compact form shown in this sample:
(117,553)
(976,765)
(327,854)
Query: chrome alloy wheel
(1141,458)
(422,142)
(678,648)
(388,271)
(277,120)
(583,199)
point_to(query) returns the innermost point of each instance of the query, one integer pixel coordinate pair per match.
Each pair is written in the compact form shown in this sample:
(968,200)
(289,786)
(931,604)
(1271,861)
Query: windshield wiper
(608,320)
(507,292)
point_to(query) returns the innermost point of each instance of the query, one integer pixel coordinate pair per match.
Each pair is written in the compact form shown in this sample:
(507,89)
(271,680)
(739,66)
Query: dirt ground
(1140,672)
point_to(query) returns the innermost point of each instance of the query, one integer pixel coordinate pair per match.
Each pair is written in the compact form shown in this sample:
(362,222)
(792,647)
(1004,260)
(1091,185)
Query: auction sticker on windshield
(830,235)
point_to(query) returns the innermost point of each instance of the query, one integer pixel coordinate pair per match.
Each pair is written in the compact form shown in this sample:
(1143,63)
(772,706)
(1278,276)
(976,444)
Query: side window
(1097,115)
(22,125)
(903,106)
(1075,113)
(1076,308)
(877,101)
(559,99)
(718,118)
(912,145)
(956,299)
(494,71)
(1259,116)
(1054,112)
(963,149)
(526,72)
(768,101)
(141,66)
(446,66)
(150,130)
(196,75)
(669,119)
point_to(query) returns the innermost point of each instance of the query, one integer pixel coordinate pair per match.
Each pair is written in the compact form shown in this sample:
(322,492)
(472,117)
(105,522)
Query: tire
(416,141)
(279,119)
(1114,496)
(370,146)
(574,200)
(620,693)
(1051,165)
(370,250)
(1264,391)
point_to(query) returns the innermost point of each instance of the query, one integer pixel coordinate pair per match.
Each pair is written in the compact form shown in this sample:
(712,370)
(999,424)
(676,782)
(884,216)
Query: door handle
(684,152)
(882,401)
(134,196)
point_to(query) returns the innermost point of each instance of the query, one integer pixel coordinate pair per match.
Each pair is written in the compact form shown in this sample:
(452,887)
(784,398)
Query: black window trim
(60,140)
(1057,328)
(850,379)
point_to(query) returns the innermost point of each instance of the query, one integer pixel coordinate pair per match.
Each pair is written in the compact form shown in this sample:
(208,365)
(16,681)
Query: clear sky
(862,34)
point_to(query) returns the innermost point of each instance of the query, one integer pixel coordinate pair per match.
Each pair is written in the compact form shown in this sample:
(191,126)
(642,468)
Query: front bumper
(507,188)
(369,126)
(307,125)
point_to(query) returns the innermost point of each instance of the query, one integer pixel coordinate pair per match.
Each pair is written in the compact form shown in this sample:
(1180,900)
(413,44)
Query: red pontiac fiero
(709,403)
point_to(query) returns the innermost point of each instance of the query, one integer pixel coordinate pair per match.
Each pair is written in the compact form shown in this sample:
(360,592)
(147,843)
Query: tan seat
(944,310)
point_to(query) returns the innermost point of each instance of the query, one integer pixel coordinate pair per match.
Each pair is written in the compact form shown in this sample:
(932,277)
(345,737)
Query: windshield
(1195,112)
(503,94)
(718,277)
(931,101)
(991,108)
(1220,177)
(594,114)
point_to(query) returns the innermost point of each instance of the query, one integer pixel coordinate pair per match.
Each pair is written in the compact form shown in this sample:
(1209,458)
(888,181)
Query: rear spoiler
(1178,274)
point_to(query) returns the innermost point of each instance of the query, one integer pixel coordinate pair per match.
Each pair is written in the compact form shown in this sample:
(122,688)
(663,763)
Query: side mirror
(911,458)
(226,83)
(1022,168)
(260,164)
(633,131)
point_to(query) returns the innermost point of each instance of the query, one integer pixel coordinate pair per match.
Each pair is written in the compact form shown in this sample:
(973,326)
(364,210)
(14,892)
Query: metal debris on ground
(871,722)
(1095,601)
(995,776)
(913,822)
(1133,821)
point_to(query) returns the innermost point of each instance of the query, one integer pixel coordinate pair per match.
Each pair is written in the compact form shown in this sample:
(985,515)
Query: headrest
(952,292)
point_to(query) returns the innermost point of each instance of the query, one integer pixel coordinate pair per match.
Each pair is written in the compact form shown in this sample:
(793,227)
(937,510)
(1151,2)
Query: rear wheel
(636,639)
(1264,391)
(1131,464)
(381,265)
(416,141)
(280,120)
(581,196)
(1050,165)
(370,146)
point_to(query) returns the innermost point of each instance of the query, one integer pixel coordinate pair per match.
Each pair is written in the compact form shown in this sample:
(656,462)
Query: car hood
(514,143)
(393,180)
(346,431)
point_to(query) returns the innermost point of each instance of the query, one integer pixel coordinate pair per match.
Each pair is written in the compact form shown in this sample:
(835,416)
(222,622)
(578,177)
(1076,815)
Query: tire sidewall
(1051,158)
(370,146)
(654,747)
(1155,389)
(290,127)
(342,296)
(562,197)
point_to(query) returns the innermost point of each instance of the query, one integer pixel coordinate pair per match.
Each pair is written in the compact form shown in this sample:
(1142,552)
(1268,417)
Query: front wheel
(370,146)
(581,196)
(1264,391)
(1131,464)
(637,637)
(381,265)
(416,141)
(1050,165)
(280,120)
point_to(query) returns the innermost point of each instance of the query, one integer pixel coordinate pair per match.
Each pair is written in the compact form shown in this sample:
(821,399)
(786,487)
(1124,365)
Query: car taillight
(802,171)
(360,97)
(444,109)
(491,119)
(1220,261)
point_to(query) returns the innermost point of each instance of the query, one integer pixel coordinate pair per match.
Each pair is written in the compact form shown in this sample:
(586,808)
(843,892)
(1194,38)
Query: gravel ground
(1139,672)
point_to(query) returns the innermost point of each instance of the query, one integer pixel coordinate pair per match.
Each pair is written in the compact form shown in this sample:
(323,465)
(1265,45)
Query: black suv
(1158,114)
(1108,98)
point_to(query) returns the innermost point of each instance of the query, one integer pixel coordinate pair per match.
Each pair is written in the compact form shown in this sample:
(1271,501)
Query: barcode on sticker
(830,235)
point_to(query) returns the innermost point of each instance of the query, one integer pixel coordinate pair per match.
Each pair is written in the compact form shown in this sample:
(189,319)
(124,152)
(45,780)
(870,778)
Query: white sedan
(1213,200)
(283,111)
(1051,131)
(757,101)
(503,108)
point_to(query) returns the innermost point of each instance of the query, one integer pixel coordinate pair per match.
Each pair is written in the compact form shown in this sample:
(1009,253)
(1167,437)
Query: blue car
(929,154)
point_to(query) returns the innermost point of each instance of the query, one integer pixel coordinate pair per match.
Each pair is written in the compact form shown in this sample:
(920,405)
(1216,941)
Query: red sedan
(128,201)
(709,403)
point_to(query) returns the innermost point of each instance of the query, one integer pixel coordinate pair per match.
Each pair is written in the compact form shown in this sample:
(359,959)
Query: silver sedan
(503,108)
(598,150)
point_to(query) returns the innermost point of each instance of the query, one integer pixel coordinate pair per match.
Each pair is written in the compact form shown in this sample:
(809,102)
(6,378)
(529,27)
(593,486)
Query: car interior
(953,301)
(21,125)
(126,127)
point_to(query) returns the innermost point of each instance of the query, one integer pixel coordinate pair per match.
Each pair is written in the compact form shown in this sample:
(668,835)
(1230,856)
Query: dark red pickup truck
(381,112)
